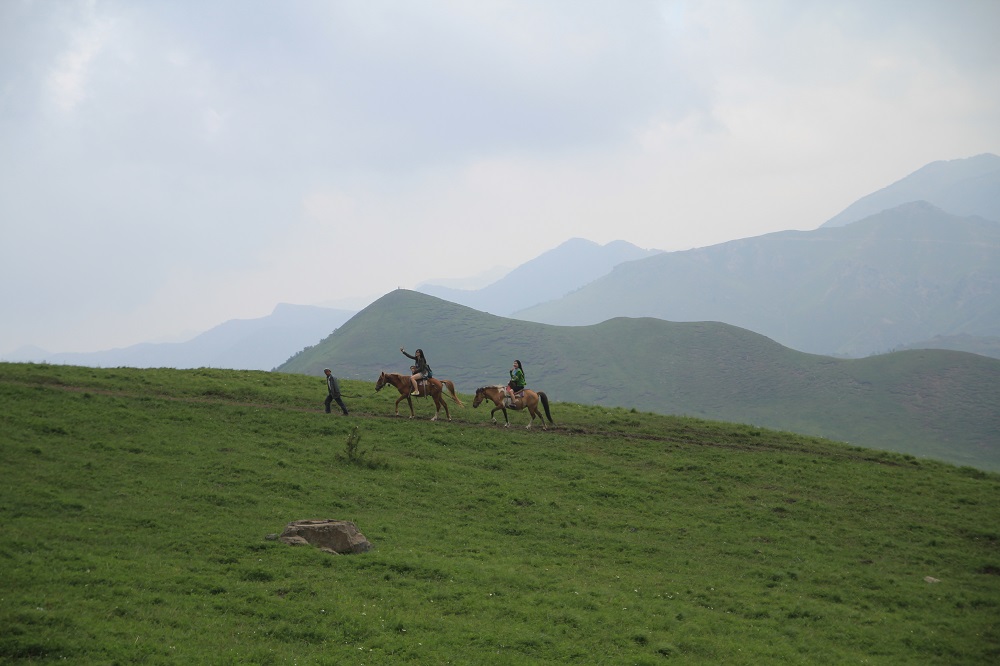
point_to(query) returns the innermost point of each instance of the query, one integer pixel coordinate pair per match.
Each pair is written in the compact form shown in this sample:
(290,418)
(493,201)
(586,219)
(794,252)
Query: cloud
(172,165)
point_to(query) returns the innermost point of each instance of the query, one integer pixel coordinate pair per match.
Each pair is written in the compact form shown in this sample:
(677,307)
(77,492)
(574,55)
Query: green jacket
(517,379)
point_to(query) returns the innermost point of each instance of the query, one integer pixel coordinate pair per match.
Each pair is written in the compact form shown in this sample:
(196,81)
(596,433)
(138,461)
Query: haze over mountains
(963,187)
(912,275)
(551,275)
(265,342)
(913,265)
(898,277)
(242,344)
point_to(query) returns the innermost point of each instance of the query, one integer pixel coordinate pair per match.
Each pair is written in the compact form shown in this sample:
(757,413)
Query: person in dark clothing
(516,381)
(420,368)
(333,388)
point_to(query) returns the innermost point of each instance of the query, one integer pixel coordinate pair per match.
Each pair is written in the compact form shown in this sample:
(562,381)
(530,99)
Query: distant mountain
(469,283)
(25,354)
(961,187)
(550,275)
(239,344)
(907,274)
(940,404)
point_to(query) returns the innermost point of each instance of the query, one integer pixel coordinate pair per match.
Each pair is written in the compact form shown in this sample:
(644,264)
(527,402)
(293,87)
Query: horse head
(380,382)
(480,396)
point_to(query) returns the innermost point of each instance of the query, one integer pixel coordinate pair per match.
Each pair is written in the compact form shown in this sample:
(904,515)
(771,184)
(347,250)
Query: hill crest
(550,275)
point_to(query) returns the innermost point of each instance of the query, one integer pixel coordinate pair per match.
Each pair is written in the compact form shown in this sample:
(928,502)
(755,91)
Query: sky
(169,165)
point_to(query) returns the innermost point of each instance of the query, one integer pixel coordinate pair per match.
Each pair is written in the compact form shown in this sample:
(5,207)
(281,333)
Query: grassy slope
(983,345)
(929,403)
(135,505)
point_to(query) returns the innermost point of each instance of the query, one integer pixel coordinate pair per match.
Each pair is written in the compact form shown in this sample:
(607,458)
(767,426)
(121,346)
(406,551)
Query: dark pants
(330,398)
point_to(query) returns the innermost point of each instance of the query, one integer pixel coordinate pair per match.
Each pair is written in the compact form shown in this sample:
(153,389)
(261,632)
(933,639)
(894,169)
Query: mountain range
(934,403)
(964,187)
(549,276)
(887,273)
(265,342)
(240,344)
(899,277)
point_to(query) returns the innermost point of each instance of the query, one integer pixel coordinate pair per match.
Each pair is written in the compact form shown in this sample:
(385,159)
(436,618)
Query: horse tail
(545,403)
(451,389)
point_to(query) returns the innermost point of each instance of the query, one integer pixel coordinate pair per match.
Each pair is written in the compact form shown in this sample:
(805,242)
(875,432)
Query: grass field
(136,504)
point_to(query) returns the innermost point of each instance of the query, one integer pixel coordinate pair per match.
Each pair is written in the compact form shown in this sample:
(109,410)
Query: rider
(420,368)
(516,381)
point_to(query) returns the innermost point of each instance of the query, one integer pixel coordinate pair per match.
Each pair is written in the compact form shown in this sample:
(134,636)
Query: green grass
(136,503)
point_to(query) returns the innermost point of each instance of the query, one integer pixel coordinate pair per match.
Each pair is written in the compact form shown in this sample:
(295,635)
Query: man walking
(333,387)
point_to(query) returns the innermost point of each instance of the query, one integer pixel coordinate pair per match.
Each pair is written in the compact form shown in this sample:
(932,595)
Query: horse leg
(440,398)
(408,402)
(534,411)
(531,415)
(500,407)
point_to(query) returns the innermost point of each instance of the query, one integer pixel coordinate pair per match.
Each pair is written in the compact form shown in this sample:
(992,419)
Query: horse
(427,387)
(529,401)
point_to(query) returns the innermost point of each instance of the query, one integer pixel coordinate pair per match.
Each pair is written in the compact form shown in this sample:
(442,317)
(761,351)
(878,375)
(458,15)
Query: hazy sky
(169,165)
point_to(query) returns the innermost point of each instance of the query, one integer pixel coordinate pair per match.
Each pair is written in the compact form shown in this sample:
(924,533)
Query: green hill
(932,403)
(136,505)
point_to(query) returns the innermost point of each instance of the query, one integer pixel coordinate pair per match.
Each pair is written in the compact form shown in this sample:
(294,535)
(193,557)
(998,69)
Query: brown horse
(529,400)
(428,387)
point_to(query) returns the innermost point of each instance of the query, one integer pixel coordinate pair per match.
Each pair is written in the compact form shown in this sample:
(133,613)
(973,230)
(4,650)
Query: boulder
(338,537)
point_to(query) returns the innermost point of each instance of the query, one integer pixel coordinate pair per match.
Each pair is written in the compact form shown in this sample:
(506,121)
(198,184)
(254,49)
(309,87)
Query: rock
(338,537)
(931,579)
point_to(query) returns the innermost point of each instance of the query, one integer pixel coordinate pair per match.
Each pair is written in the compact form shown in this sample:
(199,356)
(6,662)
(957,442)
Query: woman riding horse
(531,400)
(516,383)
(435,388)
(420,368)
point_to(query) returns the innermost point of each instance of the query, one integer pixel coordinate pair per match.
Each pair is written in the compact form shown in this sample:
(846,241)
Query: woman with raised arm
(420,368)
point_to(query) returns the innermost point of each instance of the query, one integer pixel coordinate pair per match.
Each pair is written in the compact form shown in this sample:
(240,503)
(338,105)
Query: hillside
(902,276)
(963,187)
(939,404)
(548,276)
(137,506)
